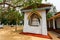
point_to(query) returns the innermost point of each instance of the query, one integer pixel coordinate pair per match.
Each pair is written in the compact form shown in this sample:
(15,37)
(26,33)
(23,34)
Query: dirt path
(8,33)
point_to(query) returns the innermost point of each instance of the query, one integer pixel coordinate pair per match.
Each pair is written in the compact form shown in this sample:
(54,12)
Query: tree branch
(11,5)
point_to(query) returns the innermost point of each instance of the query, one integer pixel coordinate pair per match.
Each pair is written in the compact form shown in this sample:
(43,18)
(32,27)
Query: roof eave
(28,10)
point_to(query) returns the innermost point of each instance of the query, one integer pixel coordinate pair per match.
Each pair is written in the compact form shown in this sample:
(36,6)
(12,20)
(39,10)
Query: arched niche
(34,19)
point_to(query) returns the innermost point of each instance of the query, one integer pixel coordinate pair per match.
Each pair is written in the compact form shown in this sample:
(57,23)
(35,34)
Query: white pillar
(44,24)
(49,23)
(53,23)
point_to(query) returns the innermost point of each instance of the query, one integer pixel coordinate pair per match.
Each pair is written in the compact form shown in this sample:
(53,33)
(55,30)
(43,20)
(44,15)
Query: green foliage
(4,21)
(24,3)
(14,16)
(30,2)
(49,15)
(1,0)
(11,16)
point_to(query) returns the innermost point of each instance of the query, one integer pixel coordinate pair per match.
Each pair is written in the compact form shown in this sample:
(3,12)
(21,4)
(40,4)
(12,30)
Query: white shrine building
(35,21)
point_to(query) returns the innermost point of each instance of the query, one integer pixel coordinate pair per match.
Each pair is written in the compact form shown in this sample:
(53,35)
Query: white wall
(58,23)
(41,29)
(44,24)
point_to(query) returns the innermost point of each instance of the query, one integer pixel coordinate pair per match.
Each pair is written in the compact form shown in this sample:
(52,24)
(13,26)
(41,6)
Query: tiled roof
(57,13)
(38,6)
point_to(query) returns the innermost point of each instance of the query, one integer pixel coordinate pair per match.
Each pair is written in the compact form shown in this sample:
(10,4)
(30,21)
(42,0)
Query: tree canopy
(19,3)
(8,8)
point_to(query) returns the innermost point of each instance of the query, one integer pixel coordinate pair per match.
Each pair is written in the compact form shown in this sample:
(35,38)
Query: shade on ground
(8,33)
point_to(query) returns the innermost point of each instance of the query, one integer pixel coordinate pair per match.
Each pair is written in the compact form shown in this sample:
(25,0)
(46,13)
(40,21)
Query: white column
(44,24)
(53,23)
(49,23)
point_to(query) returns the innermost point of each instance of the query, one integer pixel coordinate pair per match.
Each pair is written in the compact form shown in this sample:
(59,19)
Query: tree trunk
(16,28)
(16,25)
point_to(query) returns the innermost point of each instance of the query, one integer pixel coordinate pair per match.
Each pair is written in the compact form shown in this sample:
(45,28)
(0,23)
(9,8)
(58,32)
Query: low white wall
(42,29)
(1,25)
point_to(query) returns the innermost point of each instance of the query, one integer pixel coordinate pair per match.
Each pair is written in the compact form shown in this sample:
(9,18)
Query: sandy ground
(9,33)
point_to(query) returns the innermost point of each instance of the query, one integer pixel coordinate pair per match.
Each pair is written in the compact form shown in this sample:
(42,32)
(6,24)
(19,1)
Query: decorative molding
(35,12)
(28,10)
